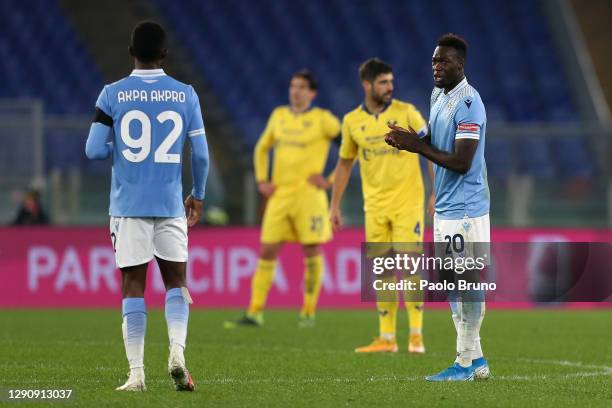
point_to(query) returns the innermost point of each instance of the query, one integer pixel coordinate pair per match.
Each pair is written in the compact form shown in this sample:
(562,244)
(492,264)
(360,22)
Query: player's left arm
(331,130)
(99,144)
(331,178)
(194,203)
(468,126)
(199,163)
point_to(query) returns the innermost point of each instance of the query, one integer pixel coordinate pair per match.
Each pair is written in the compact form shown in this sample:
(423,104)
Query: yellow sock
(415,316)
(313,277)
(414,306)
(260,285)
(387,311)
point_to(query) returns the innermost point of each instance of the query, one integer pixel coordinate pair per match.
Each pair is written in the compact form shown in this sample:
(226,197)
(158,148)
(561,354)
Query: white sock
(454,305)
(477,349)
(137,372)
(455,314)
(464,345)
(471,315)
(134,327)
(177,316)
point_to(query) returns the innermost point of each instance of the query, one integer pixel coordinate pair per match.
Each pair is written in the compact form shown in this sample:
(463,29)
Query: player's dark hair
(148,41)
(309,77)
(454,41)
(372,68)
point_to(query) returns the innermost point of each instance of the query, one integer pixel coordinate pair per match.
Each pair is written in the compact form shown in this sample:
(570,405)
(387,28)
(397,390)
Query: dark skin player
(447,66)
(448,71)
(134,278)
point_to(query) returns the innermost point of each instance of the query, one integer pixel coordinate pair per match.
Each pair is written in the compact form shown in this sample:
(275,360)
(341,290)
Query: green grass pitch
(539,358)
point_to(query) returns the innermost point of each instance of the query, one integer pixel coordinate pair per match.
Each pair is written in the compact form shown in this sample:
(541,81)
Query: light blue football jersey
(460,114)
(152,116)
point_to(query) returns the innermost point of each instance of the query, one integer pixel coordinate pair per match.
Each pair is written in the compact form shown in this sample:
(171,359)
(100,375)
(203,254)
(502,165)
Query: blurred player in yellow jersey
(393,191)
(297,207)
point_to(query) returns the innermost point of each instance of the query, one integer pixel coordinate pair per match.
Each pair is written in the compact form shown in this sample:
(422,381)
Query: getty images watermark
(411,265)
(427,271)
(538,271)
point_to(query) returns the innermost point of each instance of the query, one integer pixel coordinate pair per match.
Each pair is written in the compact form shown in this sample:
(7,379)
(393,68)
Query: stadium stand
(41,57)
(247,51)
(270,39)
(504,56)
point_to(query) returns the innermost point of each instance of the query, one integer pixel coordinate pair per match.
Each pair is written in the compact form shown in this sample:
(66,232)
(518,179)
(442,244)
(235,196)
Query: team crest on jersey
(307,123)
(468,103)
(363,128)
(391,122)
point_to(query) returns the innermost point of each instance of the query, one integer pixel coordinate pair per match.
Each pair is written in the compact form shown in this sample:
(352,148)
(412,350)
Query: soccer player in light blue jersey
(455,144)
(142,122)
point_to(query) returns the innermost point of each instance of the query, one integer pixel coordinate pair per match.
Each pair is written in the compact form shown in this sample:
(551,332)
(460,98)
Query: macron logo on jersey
(468,131)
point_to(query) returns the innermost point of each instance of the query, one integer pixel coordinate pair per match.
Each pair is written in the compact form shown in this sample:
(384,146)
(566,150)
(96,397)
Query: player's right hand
(403,139)
(319,181)
(266,188)
(193,209)
(335,217)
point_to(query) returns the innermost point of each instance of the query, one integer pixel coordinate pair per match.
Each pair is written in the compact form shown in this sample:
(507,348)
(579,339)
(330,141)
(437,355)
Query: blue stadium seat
(572,158)
(42,57)
(499,158)
(535,158)
(248,62)
(272,39)
(64,150)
